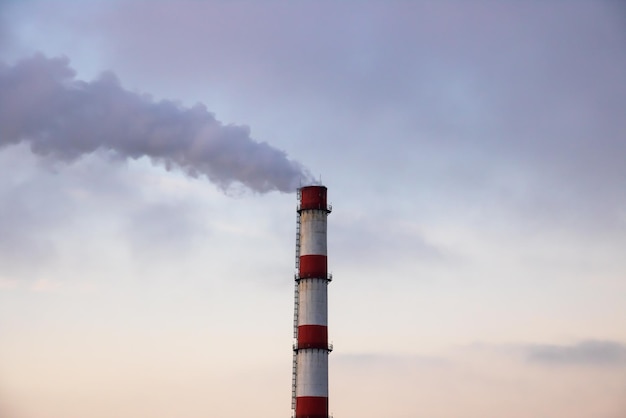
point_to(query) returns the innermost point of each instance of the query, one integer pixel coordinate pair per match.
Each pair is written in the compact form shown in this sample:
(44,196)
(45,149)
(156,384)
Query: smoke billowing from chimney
(43,104)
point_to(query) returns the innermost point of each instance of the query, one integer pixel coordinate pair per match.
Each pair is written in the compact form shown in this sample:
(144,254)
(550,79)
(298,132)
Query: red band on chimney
(313,266)
(311,407)
(313,197)
(313,336)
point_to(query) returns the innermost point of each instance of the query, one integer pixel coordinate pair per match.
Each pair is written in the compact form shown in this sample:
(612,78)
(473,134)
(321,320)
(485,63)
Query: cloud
(387,360)
(5,28)
(167,229)
(46,286)
(584,353)
(43,209)
(366,236)
(32,208)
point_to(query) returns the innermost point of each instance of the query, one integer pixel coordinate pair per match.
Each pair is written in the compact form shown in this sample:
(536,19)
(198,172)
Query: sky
(474,158)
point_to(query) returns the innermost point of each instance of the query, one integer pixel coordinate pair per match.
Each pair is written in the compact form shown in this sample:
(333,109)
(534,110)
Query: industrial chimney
(311,348)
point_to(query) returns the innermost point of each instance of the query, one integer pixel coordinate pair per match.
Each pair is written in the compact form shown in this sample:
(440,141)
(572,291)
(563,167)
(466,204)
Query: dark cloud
(584,353)
(530,95)
(43,104)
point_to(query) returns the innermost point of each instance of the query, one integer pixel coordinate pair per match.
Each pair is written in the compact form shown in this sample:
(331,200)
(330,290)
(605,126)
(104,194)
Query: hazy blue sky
(474,154)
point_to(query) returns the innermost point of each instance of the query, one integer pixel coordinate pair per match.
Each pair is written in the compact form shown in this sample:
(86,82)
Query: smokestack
(311,349)
(42,104)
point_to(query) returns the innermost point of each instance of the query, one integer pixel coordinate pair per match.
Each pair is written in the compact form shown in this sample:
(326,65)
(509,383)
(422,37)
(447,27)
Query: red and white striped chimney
(310,380)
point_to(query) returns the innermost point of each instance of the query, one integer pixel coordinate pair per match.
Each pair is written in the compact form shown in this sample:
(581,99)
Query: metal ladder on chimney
(296,306)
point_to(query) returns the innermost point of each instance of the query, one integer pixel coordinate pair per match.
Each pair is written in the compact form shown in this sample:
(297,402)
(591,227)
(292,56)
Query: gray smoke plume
(42,103)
